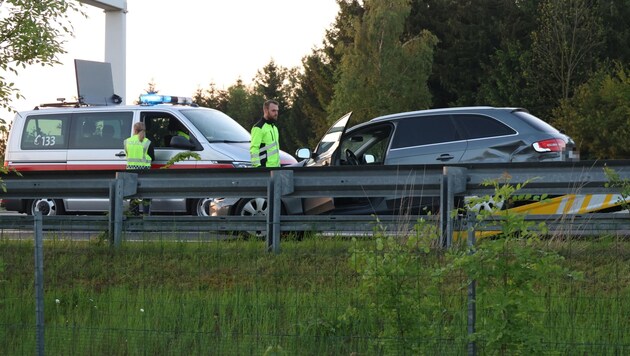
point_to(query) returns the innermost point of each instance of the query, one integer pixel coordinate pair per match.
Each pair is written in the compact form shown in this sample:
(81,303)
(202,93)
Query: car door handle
(121,154)
(445,157)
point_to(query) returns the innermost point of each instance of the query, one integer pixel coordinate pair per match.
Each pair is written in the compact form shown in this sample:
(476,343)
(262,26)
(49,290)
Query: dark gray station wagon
(437,136)
(443,136)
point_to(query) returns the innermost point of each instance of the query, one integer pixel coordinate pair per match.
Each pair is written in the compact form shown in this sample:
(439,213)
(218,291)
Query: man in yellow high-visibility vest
(265,145)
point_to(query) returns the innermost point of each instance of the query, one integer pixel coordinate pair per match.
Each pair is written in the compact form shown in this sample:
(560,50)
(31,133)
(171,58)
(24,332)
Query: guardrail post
(280,183)
(39,283)
(453,182)
(472,287)
(124,185)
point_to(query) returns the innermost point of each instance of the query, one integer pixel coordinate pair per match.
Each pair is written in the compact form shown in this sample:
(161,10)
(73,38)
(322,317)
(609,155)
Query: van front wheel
(48,207)
(201,207)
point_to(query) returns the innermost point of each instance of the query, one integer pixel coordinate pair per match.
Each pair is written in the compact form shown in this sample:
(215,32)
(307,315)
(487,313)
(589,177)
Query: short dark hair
(269,102)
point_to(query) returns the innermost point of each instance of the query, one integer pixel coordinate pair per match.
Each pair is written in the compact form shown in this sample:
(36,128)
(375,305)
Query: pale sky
(183,45)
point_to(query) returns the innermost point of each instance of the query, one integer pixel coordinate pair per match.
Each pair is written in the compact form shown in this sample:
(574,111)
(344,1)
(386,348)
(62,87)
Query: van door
(96,140)
(161,128)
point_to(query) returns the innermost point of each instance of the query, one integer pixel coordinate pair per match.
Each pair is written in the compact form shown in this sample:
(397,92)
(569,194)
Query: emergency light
(154,99)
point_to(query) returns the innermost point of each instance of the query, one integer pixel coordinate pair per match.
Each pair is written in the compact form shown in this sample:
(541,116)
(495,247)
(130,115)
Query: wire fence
(371,291)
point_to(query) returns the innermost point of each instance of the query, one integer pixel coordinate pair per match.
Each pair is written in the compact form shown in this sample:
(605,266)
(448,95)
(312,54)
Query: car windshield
(217,126)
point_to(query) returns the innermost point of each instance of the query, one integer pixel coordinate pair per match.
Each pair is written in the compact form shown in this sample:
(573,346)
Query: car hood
(239,152)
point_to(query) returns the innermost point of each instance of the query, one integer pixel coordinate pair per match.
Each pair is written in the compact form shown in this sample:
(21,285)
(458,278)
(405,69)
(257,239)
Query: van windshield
(217,126)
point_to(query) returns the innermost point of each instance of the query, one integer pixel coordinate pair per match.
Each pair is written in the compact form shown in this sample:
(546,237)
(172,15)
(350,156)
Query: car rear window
(535,122)
(424,130)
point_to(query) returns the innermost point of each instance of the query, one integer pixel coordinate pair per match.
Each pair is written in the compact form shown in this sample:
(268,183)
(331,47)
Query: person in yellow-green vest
(140,154)
(176,129)
(265,145)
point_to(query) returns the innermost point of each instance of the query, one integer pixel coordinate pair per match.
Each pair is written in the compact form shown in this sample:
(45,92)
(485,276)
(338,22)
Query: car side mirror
(368,158)
(181,142)
(303,153)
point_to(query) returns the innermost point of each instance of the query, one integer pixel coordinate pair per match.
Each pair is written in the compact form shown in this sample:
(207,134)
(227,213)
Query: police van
(89,137)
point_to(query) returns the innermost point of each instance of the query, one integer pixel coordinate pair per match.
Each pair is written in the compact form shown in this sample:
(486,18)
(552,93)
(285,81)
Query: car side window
(479,126)
(42,132)
(424,130)
(372,142)
(106,130)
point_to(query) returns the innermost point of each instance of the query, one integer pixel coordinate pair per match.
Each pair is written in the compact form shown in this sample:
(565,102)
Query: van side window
(105,130)
(43,132)
(161,127)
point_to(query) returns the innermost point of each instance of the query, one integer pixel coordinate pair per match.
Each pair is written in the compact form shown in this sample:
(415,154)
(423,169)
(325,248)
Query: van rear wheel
(48,207)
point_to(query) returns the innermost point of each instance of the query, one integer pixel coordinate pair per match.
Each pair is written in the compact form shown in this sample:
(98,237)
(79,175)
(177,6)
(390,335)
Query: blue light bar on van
(154,99)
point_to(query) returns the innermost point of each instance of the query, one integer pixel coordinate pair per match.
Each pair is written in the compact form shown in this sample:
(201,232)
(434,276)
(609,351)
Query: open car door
(322,157)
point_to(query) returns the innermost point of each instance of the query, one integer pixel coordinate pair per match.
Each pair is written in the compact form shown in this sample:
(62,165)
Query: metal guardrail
(445,182)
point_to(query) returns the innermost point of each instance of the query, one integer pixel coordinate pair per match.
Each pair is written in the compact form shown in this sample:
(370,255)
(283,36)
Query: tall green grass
(231,297)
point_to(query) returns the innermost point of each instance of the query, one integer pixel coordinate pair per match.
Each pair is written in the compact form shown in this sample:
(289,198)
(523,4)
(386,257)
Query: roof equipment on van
(154,99)
(62,103)
(95,84)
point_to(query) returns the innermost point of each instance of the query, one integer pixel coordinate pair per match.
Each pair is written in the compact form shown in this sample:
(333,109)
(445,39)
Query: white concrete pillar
(115,41)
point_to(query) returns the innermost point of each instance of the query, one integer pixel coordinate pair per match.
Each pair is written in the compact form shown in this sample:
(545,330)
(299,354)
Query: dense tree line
(564,60)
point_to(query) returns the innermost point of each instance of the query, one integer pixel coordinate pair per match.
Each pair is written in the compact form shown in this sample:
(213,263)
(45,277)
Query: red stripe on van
(38,167)
(105,167)
(192,166)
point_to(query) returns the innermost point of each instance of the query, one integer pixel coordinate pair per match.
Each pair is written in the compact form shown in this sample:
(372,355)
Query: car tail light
(550,145)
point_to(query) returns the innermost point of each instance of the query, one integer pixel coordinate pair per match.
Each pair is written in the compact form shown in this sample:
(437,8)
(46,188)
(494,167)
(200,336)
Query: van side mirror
(181,142)
(303,153)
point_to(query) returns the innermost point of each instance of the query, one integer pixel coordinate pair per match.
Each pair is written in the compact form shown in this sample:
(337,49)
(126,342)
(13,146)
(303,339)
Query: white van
(91,138)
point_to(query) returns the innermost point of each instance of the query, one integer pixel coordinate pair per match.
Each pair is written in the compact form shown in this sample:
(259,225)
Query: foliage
(379,72)
(382,57)
(512,224)
(408,313)
(212,98)
(4,135)
(470,34)
(242,105)
(565,45)
(509,272)
(316,84)
(615,181)
(206,293)
(181,156)
(616,32)
(507,81)
(598,116)
(31,32)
